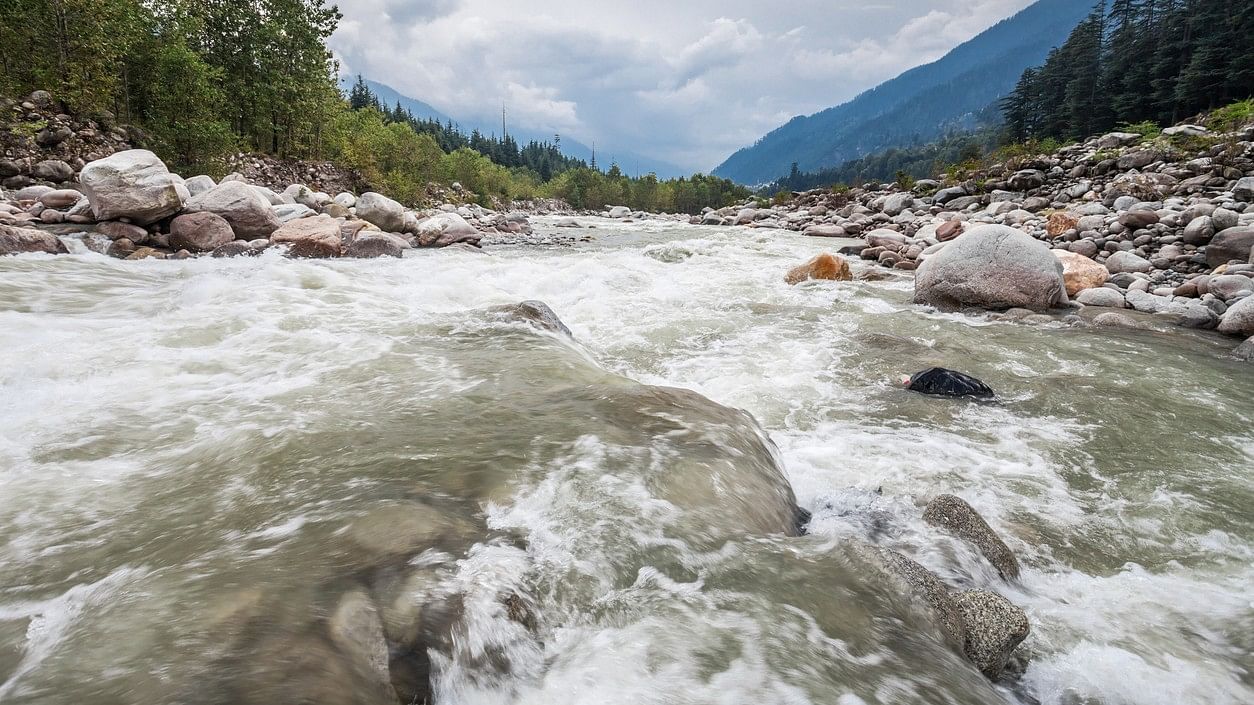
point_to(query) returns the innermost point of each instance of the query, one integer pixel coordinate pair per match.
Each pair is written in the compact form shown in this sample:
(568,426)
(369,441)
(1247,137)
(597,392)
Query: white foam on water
(175,357)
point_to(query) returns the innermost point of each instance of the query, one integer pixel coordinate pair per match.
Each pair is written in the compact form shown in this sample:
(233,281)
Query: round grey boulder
(1126,262)
(1102,297)
(993,267)
(1239,319)
(200,232)
(379,210)
(239,204)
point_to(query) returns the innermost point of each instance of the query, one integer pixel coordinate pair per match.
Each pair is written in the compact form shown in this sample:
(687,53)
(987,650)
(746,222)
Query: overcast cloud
(685,82)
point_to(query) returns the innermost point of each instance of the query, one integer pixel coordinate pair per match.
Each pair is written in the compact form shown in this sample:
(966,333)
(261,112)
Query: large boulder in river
(371,245)
(1239,319)
(200,232)
(953,513)
(993,267)
(825,266)
(133,184)
(379,210)
(15,241)
(1231,244)
(444,229)
(240,205)
(1080,272)
(317,237)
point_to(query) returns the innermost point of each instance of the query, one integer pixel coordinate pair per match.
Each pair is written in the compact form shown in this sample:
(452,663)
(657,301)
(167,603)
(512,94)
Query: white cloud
(684,82)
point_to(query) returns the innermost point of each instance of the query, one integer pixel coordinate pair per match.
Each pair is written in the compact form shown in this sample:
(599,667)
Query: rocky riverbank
(1161,226)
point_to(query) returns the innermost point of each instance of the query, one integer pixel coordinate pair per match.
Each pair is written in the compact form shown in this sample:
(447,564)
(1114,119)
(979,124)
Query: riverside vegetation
(199,81)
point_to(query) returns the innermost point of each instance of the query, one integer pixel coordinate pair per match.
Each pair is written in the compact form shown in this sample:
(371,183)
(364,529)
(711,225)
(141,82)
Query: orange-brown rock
(949,230)
(317,237)
(1080,272)
(1060,223)
(825,266)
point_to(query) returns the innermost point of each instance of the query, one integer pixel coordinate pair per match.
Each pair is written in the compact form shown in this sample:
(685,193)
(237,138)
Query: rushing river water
(211,470)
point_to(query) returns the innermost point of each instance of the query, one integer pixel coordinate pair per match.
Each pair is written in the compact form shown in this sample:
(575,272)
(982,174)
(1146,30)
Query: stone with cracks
(133,184)
(317,237)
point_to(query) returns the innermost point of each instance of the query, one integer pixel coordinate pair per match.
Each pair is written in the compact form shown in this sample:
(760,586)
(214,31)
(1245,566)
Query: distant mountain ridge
(953,93)
(630,162)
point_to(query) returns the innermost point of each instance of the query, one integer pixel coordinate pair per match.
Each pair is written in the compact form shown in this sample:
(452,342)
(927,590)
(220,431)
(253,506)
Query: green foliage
(1232,117)
(903,180)
(782,198)
(1147,129)
(1142,64)
(185,108)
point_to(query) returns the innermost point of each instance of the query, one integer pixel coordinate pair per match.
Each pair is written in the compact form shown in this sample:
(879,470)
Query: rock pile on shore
(1161,226)
(129,205)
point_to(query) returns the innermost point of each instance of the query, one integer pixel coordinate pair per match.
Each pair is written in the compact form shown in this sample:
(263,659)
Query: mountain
(630,162)
(389,96)
(951,94)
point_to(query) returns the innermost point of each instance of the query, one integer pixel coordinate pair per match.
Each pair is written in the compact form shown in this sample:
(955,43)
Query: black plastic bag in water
(939,381)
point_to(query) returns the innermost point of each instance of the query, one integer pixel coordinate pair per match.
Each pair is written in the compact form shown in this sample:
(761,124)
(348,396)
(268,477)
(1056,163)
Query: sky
(683,81)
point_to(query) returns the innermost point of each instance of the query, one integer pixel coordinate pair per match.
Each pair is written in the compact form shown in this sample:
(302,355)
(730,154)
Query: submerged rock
(930,591)
(825,266)
(994,267)
(537,313)
(953,513)
(357,630)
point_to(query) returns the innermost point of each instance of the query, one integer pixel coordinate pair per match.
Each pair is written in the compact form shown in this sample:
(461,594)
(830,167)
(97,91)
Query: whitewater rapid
(177,433)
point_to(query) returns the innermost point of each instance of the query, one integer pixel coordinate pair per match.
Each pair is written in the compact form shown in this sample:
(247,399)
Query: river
(208,465)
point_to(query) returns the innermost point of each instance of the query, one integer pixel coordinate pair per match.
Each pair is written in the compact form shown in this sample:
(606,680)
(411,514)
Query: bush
(1232,117)
(1147,129)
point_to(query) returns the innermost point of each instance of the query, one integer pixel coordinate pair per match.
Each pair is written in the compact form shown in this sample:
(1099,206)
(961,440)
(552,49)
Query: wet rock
(938,381)
(537,313)
(1239,319)
(134,184)
(1111,319)
(357,630)
(382,211)
(1102,297)
(200,232)
(1245,351)
(317,237)
(993,628)
(15,240)
(993,267)
(620,212)
(930,591)
(1080,272)
(444,229)
(370,245)
(235,248)
(249,215)
(825,266)
(115,230)
(961,519)
(399,531)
